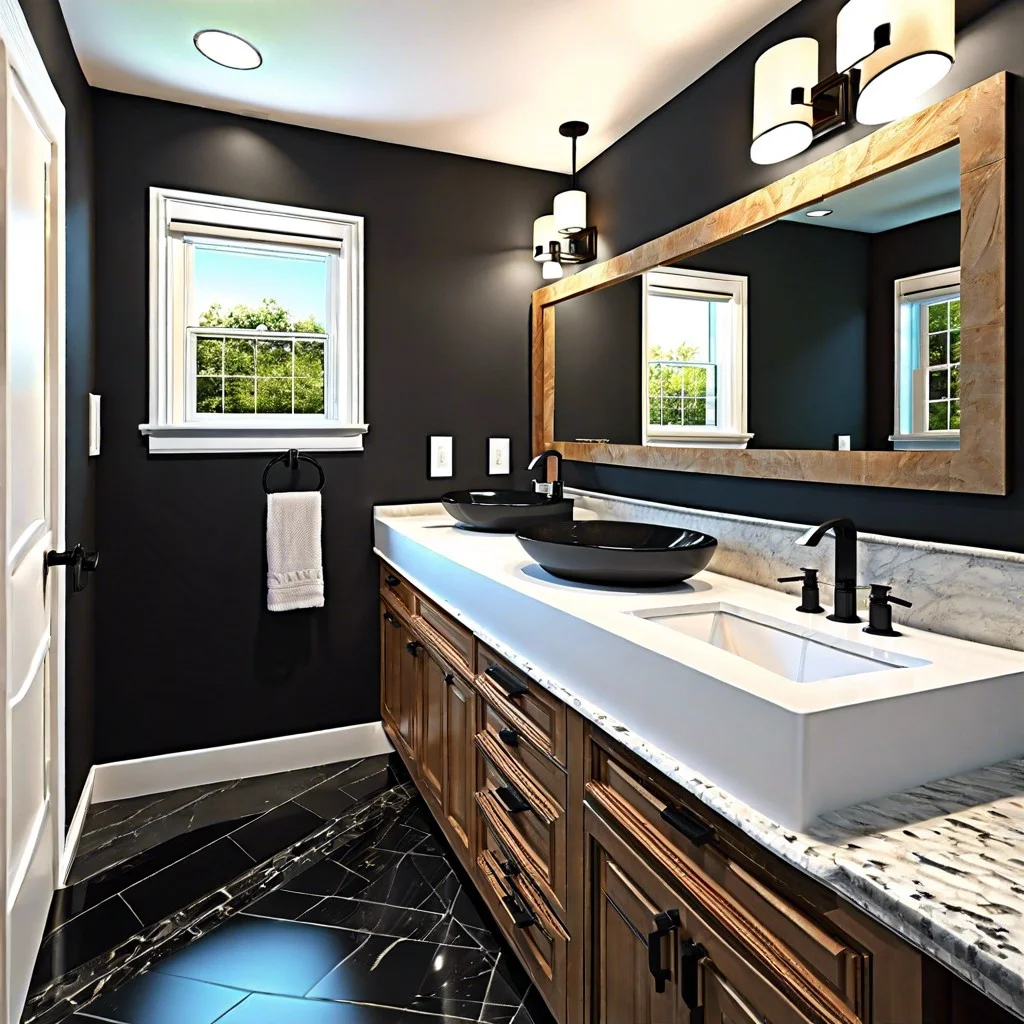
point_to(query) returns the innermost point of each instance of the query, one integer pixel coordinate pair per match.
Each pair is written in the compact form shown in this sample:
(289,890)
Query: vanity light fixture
(563,236)
(227,49)
(818,213)
(889,52)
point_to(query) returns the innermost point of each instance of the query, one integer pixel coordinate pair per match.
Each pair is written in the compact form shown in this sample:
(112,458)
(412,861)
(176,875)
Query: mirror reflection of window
(695,358)
(928,361)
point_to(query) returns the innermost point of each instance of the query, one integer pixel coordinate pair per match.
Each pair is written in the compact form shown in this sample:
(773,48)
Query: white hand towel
(295,572)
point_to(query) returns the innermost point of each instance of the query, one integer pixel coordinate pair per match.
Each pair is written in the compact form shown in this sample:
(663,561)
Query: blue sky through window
(233,276)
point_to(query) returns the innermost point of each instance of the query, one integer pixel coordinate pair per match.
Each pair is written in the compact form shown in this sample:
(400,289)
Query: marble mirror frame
(976,119)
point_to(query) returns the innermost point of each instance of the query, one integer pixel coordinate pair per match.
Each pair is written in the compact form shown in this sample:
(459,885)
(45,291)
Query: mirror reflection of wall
(817,326)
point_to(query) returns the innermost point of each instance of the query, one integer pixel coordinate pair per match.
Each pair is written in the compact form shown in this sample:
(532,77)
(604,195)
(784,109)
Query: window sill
(210,439)
(947,442)
(717,439)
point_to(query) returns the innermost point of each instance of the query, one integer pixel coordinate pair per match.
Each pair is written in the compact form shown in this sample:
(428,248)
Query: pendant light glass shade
(552,270)
(570,211)
(920,52)
(544,233)
(782,128)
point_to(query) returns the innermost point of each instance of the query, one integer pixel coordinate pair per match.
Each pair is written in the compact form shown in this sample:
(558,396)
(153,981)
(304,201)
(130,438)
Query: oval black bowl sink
(618,554)
(506,511)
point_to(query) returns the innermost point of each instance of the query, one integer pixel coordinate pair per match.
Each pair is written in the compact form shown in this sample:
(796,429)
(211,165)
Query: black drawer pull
(693,828)
(514,801)
(521,917)
(413,647)
(508,682)
(509,737)
(449,678)
(392,581)
(664,924)
(390,619)
(509,868)
(690,955)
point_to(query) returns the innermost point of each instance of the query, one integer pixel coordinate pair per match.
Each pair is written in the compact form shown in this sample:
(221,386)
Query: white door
(32,508)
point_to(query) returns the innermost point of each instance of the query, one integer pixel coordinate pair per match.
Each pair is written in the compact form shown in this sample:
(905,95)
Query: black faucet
(554,489)
(846,565)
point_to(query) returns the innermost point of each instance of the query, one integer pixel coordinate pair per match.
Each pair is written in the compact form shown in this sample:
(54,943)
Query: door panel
(432,724)
(459,759)
(409,660)
(390,665)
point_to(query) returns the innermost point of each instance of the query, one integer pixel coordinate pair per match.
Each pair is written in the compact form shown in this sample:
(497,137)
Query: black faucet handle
(880,610)
(810,598)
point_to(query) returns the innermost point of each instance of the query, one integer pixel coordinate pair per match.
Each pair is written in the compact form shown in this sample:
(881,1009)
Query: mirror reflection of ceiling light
(819,213)
(227,49)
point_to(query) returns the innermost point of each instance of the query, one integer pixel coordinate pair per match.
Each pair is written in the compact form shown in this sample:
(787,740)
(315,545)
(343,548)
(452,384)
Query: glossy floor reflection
(382,931)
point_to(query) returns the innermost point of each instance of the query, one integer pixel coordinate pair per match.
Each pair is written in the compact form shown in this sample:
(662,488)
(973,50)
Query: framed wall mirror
(845,324)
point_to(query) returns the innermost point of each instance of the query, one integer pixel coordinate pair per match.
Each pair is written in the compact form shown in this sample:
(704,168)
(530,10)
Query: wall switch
(499,456)
(442,456)
(94,424)
(844,442)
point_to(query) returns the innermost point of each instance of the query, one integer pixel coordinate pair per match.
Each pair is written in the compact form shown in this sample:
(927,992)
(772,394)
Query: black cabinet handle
(514,801)
(509,737)
(449,678)
(690,955)
(693,828)
(392,581)
(664,924)
(521,917)
(390,619)
(413,647)
(509,868)
(508,682)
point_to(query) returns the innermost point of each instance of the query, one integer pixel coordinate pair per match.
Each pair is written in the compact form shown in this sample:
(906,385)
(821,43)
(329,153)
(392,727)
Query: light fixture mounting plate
(573,129)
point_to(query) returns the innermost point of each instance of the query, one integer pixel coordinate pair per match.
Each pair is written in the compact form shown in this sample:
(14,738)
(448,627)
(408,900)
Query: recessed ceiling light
(227,49)
(819,213)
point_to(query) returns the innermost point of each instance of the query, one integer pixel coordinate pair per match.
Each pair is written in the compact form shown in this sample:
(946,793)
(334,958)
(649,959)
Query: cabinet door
(409,659)
(390,667)
(431,751)
(724,1004)
(459,757)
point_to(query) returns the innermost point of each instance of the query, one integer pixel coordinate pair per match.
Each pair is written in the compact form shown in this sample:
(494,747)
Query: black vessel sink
(618,554)
(506,511)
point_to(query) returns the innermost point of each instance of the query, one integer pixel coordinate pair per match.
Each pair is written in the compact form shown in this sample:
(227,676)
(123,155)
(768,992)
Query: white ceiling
(485,78)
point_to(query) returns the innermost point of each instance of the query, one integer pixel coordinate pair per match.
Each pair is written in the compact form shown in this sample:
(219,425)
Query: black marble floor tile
(260,955)
(329,799)
(155,998)
(373,918)
(259,1009)
(276,830)
(283,905)
(187,880)
(328,878)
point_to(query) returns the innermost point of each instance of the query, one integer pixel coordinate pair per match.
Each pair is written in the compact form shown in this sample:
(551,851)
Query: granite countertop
(942,864)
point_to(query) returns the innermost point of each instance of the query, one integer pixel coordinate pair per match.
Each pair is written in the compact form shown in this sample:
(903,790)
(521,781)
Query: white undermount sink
(802,657)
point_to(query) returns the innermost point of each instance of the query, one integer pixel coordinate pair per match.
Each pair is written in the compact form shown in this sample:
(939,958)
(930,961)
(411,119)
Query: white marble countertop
(942,864)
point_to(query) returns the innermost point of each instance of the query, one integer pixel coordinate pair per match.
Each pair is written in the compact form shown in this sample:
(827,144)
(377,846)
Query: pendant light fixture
(563,236)
(888,53)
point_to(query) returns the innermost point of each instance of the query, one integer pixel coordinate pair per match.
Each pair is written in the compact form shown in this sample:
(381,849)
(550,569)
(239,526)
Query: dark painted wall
(51,36)
(691,157)
(188,655)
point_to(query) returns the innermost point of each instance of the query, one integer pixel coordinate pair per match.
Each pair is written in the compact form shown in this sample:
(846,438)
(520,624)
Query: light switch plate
(844,442)
(499,456)
(442,456)
(94,424)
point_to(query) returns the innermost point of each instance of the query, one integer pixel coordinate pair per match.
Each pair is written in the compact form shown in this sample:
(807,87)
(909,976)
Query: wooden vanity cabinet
(400,681)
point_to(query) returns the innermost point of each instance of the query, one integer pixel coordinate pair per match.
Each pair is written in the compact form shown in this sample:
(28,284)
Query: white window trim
(171,431)
(735,434)
(919,286)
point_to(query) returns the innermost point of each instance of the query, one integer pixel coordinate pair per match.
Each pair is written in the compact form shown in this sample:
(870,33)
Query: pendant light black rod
(573,130)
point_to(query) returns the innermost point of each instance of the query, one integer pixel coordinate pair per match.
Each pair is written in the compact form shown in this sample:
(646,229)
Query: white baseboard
(74,833)
(122,780)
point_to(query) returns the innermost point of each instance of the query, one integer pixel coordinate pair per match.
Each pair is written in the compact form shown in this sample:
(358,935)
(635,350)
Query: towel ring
(292,457)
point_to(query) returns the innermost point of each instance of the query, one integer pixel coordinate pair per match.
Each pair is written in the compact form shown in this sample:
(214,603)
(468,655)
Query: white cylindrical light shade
(920,52)
(571,211)
(552,270)
(544,233)
(783,128)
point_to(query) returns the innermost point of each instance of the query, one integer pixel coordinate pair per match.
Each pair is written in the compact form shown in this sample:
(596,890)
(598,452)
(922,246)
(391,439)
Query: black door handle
(690,955)
(509,737)
(521,917)
(664,924)
(79,560)
(514,801)
(690,826)
(413,647)
(513,687)
(392,581)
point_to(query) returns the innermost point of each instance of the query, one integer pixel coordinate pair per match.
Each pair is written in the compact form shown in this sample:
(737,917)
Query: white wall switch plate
(499,456)
(442,456)
(844,442)
(94,424)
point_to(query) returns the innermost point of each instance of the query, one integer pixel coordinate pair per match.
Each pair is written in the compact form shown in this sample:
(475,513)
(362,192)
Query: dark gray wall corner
(188,655)
(692,156)
(51,36)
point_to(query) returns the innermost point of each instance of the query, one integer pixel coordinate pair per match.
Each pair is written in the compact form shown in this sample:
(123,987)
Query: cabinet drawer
(527,707)
(536,933)
(399,589)
(527,821)
(648,814)
(499,734)
(437,626)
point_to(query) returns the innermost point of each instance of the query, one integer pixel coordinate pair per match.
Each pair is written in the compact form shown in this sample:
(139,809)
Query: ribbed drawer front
(397,588)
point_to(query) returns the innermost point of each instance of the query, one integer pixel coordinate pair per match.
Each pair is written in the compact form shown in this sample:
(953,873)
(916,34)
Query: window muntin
(694,358)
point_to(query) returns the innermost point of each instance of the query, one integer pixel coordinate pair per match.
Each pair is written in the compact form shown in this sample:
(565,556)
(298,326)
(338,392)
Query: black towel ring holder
(292,457)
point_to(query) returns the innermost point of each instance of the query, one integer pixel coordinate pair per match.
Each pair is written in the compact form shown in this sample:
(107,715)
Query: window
(928,361)
(256,326)
(695,356)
